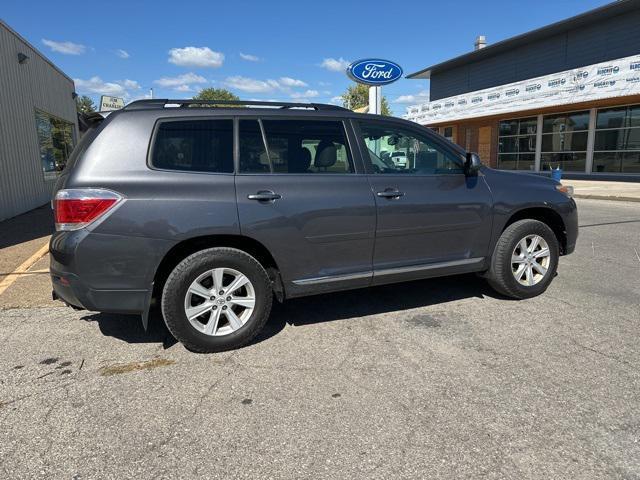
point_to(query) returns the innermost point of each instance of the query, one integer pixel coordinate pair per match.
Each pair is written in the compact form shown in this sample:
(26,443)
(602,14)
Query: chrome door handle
(264,196)
(388,193)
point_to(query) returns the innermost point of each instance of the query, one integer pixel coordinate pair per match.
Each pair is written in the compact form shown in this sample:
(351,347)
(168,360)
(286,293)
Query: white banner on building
(616,78)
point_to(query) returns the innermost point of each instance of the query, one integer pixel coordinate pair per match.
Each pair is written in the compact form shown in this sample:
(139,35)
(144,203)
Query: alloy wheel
(220,301)
(530,260)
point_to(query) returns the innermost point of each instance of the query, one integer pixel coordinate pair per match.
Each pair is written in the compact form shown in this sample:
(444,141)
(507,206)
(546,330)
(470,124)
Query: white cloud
(335,65)
(96,85)
(180,81)
(122,53)
(336,100)
(249,58)
(420,97)
(183,88)
(291,82)
(306,94)
(127,89)
(68,48)
(131,84)
(195,57)
(251,85)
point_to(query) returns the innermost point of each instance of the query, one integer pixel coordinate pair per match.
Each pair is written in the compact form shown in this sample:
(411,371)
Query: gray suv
(209,211)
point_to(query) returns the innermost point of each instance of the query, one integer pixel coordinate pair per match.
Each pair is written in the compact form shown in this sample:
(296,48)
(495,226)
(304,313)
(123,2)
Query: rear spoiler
(90,120)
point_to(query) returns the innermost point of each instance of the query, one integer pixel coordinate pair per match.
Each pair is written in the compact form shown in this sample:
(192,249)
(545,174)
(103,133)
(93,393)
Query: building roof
(37,52)
(616,8)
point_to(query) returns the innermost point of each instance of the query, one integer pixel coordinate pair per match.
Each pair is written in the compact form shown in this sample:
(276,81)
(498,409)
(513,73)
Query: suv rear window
(194,146)
(294,146)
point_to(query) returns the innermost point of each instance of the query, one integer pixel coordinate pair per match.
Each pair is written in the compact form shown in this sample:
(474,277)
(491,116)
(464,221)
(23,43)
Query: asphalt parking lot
(430,379)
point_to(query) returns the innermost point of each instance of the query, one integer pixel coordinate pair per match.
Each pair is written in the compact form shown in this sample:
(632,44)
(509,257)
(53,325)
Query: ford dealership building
(565,95)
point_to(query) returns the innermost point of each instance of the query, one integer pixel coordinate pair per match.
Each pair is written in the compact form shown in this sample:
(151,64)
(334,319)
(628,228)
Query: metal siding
(23,88)
(613,38)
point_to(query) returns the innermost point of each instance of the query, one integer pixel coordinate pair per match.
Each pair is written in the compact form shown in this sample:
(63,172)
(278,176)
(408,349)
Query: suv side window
(194,146)
(396,150)
(294,146)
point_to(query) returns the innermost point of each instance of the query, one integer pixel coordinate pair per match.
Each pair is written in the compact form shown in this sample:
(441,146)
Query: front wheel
(524,260)
(216,299)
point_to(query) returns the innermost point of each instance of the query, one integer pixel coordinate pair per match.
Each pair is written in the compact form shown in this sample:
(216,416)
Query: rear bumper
(70,289)
(105,273)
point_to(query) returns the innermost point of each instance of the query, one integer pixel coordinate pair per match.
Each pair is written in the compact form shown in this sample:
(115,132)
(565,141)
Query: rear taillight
(78,207)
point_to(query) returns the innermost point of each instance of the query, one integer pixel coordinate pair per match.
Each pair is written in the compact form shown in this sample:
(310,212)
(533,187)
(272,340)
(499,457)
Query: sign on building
(109,103)
(614,78)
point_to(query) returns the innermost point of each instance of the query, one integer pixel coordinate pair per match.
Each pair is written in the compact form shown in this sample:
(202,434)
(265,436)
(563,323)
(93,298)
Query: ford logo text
(374,71)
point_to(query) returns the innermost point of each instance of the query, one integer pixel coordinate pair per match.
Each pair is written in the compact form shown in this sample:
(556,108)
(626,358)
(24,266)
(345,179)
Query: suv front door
(304,198)
(431,217)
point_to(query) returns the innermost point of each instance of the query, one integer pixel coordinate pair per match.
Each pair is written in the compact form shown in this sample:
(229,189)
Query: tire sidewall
(520,231)
(192,267)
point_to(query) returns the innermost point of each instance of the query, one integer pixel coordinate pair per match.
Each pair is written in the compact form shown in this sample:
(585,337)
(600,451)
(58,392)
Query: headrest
(300,161)
(326,154)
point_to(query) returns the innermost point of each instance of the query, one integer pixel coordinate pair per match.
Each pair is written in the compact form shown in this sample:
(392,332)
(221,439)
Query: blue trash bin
(556,174)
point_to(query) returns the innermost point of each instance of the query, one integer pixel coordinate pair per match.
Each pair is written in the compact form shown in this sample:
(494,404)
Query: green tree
(84,104)
(215,94)
(357,96)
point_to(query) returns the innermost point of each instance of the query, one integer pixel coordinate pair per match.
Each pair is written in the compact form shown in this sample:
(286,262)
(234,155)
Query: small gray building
(38,124)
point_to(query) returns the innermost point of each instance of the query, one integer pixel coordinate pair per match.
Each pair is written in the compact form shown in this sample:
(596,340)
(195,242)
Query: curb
(607,197)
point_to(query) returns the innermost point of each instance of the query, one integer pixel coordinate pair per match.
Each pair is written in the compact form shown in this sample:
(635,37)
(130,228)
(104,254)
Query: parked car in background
(400,159)
(210,213)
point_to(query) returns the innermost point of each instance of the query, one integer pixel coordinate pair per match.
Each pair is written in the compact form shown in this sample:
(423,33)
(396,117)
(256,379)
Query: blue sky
(284,50)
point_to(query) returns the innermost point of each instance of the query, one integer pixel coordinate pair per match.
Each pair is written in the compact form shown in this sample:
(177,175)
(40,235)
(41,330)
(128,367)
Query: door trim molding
(388,271)
(334,278)
(429,266)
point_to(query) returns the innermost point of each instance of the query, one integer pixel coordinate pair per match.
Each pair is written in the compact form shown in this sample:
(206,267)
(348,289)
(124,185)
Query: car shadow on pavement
(316,309)
(129,328)
(379,300)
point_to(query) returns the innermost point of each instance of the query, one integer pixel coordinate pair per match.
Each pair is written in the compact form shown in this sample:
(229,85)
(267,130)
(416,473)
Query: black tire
(500,275)
(175,290)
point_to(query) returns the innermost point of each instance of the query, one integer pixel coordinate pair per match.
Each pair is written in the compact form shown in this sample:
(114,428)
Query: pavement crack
(606,355)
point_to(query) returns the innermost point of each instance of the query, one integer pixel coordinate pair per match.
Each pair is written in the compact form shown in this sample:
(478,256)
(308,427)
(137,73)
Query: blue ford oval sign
(374,71)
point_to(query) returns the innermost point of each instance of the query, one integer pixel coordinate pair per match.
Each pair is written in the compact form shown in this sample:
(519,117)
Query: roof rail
(163,102)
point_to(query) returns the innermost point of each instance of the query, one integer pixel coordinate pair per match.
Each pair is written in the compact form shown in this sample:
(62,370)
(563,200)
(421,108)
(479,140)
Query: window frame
(187,118)
(517,136)
(437,140)
(572,152)
(349,137)
(618,152)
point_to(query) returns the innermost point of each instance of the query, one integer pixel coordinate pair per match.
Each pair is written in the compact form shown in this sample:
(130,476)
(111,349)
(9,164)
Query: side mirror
(472,163)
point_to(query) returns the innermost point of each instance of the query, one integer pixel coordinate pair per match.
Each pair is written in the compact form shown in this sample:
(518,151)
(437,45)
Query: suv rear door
(307,200)
(432,218)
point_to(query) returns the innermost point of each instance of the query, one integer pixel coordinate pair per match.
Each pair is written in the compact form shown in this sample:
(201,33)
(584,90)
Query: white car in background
(399,159)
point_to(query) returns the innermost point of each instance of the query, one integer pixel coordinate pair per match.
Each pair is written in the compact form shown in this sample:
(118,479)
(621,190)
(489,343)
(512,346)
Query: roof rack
(163,102)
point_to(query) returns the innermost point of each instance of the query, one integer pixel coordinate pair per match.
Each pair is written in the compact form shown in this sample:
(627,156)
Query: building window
(617,140)
(564,141)
(447,132)
(517,144)
(55,142)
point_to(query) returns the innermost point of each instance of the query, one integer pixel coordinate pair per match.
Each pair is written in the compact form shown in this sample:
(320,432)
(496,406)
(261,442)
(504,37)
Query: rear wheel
(216,299)
(525,259)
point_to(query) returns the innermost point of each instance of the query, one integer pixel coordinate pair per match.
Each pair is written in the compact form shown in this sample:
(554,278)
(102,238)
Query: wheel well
(187,247)
(546,216)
